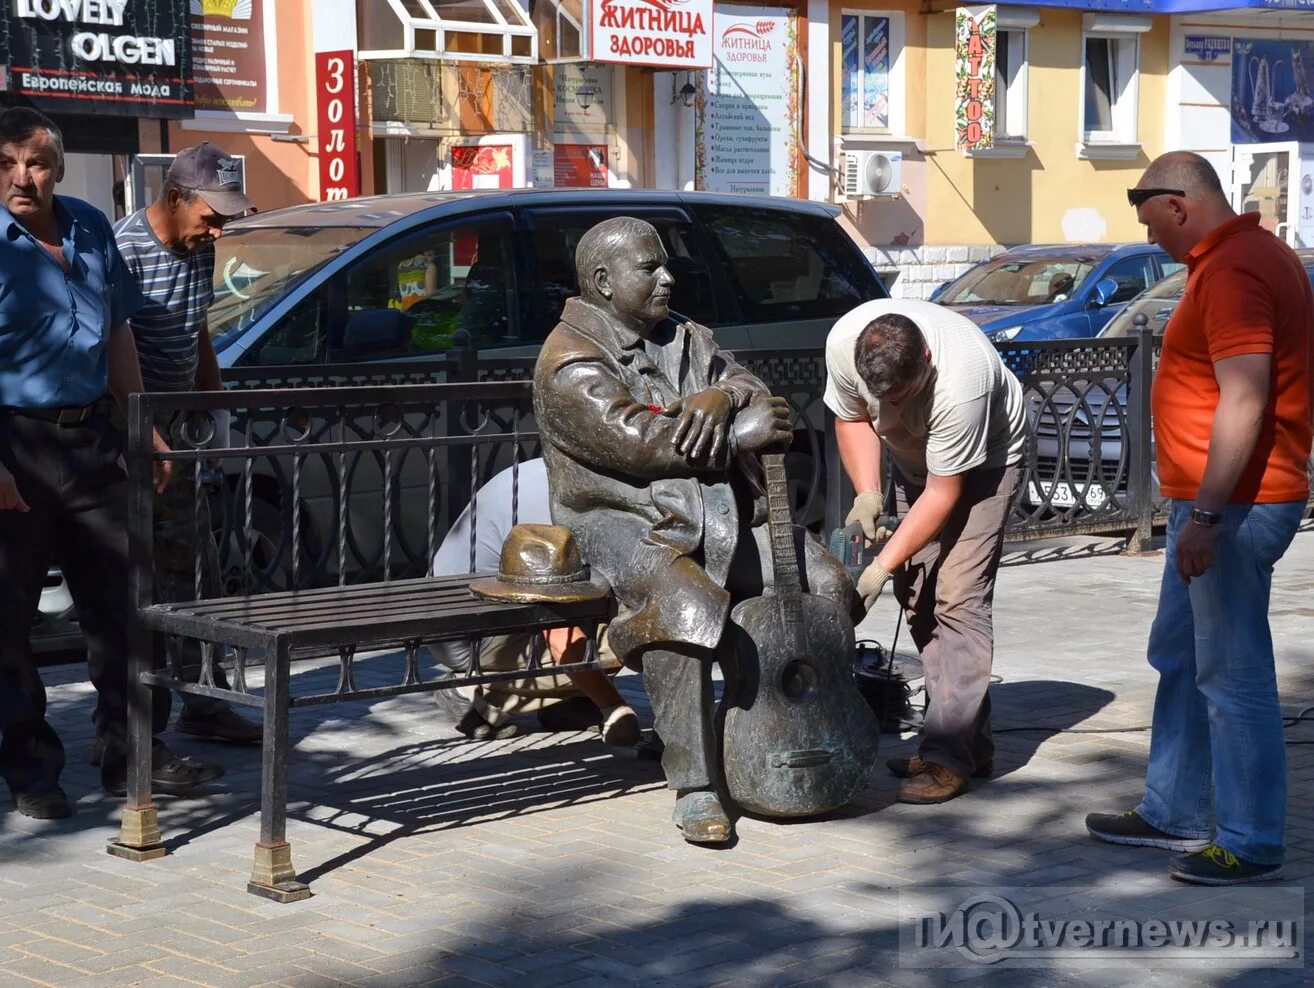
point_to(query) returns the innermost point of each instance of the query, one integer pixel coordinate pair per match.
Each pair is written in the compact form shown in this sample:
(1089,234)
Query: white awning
(470,30)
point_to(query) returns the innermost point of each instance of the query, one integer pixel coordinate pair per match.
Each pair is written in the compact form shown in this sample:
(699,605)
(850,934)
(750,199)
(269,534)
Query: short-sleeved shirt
(55,324)
(972,415)
(1246,292)
(178,289)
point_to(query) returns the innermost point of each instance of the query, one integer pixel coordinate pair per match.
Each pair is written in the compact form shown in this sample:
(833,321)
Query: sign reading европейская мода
(124,57)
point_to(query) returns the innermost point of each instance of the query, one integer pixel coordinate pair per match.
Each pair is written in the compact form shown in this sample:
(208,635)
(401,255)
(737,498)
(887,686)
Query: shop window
(1109,89)
(1011,86)
(871,93)
(414,298)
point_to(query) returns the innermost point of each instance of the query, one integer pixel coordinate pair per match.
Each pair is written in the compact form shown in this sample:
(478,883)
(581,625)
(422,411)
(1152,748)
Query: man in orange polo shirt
(1232,410)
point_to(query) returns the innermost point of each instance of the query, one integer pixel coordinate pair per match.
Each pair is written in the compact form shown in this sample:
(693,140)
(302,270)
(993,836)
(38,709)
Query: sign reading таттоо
(125,57)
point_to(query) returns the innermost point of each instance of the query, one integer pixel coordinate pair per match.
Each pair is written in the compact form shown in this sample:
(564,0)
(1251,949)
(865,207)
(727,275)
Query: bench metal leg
(272,874)
(139,834)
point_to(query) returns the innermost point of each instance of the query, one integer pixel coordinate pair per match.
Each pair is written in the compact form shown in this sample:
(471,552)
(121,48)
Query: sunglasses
(1138,196)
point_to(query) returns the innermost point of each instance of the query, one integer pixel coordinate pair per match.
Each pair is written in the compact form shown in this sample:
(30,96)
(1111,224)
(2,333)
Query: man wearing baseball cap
(169,248)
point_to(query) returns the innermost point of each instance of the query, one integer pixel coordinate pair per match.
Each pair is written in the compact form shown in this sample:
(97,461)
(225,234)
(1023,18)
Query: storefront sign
(335,84)
(1271,98)
(1207,47)
(746,137)
(581,94)
(542,170)
(124,57)
(228,42)
(974,75)
(672,34)
(580,166)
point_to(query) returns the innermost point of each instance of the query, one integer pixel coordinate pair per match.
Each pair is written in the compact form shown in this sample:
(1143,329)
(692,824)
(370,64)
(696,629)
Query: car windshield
(1156,302)
(253,269)
(1019,281)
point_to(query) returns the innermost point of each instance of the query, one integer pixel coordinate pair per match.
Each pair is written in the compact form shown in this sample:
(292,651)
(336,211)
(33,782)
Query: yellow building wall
(1027,200)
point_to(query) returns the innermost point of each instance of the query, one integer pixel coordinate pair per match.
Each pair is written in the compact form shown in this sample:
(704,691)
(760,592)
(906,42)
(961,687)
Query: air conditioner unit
(873,173)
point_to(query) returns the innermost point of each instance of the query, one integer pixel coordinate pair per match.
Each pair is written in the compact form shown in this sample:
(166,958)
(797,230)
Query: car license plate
(1063,496)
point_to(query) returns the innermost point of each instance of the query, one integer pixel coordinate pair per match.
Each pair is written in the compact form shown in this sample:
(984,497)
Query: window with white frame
(1010,85)
(870,46)
(1110,77)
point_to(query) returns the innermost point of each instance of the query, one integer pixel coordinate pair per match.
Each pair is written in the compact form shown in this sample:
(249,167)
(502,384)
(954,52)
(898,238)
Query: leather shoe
(906,768)
(933,784)
(224,724)
(44,804)
(700,818)
(474,727)
(171,775)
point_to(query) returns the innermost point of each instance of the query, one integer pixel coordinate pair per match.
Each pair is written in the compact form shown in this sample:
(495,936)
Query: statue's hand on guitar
(764,424)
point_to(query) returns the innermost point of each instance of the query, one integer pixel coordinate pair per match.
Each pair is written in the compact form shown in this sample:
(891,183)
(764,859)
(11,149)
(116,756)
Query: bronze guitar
(799,739)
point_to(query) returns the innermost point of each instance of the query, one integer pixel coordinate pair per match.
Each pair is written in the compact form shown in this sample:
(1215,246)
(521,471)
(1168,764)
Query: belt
(61,416)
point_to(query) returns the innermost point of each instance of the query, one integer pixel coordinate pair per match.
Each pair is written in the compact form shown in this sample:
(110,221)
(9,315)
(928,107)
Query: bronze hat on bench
(541,563)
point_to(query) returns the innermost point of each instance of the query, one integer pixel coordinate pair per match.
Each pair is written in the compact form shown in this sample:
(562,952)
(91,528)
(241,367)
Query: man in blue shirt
(65,348)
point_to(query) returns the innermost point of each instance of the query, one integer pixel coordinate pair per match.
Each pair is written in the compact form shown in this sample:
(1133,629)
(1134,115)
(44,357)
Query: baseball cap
(214,175)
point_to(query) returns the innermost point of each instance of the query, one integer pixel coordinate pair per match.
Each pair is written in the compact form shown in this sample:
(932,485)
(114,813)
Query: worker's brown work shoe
(933,784)
(906,768)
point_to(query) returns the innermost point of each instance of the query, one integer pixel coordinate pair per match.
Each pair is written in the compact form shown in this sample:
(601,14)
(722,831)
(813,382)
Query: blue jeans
(1217,732)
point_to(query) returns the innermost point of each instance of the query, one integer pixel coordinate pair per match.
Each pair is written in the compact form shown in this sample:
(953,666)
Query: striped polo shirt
(178,289)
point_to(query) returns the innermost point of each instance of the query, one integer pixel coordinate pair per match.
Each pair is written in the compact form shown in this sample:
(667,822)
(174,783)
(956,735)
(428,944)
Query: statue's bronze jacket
(661,529)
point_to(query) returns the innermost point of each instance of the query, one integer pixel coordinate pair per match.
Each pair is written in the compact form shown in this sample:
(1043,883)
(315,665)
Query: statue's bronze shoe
(701,819)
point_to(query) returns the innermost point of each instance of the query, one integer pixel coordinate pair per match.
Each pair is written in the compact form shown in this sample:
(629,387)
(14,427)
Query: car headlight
(1004,335)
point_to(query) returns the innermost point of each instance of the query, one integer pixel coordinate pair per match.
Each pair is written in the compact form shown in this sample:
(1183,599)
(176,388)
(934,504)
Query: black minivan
(395,277)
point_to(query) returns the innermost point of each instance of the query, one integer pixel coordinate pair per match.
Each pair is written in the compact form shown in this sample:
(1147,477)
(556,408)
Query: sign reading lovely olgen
(126,57)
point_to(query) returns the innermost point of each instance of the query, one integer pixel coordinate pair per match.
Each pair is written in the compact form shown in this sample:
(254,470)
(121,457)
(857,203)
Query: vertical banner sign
(747,127)
(335,84)
(974,77)
(228,41)
(665,34)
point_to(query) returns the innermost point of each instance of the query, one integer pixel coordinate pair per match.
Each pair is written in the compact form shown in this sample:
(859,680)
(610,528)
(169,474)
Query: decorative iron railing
(353,473)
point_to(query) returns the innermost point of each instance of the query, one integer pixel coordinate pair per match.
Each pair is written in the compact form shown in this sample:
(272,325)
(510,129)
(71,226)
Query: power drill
(850,547)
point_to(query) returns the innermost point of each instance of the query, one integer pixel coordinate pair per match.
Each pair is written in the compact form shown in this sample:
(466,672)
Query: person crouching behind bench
(540,564)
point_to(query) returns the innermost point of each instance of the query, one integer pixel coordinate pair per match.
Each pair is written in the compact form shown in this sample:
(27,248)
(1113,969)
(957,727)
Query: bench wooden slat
(253,608)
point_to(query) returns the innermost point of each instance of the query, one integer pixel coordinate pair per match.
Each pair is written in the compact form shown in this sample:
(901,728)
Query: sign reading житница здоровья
(124,57)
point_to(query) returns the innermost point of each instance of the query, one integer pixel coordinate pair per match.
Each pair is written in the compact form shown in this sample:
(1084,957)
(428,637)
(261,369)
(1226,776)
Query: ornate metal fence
(351,499)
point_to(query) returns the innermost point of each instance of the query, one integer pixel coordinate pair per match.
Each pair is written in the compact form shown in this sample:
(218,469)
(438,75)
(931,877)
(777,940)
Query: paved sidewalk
(546,860)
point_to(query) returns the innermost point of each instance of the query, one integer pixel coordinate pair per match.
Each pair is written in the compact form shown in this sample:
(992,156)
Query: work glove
(871,583)
(868,509)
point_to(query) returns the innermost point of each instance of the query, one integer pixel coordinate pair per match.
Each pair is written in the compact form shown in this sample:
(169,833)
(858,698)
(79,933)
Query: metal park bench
(331,461)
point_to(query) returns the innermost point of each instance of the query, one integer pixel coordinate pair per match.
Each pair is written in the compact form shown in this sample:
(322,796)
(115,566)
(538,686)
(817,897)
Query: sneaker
(44,804)
(621,729)
(171,775)
(906,768)
(1216,865)
(1128,828)
(224,724)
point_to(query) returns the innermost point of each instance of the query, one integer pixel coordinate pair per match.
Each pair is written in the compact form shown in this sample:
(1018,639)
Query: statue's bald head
(1183,170)
(605,242)
(622,270)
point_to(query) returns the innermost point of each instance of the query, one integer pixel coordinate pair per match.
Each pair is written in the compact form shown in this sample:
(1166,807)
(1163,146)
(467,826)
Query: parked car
(396,277)
(1060,480)
(1053,291)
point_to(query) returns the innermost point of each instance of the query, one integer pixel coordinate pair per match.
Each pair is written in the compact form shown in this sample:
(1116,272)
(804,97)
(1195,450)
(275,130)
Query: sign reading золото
(122,57)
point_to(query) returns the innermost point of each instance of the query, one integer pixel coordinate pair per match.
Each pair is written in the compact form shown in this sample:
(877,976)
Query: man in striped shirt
(169,247)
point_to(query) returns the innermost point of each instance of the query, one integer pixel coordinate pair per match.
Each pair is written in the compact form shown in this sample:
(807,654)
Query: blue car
(1054,291)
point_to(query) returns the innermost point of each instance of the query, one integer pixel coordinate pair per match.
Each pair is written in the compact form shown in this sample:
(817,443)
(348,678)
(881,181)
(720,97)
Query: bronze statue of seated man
(649,431)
